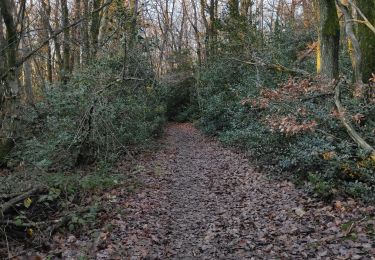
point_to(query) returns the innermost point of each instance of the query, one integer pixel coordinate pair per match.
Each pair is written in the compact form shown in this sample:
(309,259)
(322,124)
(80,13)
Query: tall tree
(2,46)
(66,40)
(85,47)
(10,82)
(329,39)
(367,39)
(7,10)
(95,26)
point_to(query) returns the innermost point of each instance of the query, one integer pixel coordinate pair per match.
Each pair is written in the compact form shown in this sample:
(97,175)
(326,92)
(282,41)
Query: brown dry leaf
(299,212)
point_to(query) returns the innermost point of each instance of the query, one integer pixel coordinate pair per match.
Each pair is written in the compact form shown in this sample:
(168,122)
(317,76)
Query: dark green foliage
(326,157)
(181,99)
(95,116)
(228,93)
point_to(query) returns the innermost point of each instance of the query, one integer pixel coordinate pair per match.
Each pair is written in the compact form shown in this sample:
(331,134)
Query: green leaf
(27,202)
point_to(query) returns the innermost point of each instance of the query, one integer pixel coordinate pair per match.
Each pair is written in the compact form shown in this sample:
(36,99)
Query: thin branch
(276,67)
(54,35)
(365,20)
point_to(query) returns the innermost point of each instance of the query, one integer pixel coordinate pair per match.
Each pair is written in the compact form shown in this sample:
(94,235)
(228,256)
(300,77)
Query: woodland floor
(202,201)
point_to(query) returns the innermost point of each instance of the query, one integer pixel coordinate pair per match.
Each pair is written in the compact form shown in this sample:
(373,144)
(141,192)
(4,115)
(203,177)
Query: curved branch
(365,20)
(349,127)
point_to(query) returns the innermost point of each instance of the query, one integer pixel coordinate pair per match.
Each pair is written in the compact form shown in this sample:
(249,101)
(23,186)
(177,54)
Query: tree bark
(66,41)
(194,24)
(244,9)
(10,92)
(75,59)
(27,76)
(94,29)
(367,39)
(2,46)
(329,39)
(46,16)
(85,49)
(355,51)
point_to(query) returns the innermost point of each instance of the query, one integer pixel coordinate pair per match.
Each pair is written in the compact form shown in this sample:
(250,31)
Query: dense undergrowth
(67,151)
(288,122)
(290,126)
(96,116)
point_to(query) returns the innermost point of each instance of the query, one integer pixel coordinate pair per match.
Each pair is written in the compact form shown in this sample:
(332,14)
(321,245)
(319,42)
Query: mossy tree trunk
(329,39)
(9,83)
(367,39)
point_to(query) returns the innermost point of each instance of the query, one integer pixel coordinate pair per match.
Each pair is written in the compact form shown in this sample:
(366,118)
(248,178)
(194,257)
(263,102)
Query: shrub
(95,116)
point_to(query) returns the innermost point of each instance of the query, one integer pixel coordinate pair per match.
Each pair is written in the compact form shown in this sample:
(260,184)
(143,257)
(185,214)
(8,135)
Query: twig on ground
(6,206)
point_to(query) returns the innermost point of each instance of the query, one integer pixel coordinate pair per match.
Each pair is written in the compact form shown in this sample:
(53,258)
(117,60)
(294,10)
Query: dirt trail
(201,201)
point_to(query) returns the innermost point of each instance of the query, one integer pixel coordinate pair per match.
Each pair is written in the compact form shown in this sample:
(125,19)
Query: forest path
(202,201)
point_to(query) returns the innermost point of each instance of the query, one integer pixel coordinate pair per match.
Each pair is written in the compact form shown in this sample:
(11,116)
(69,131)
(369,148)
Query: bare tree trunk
(59,67)
(356,54)
(94,29)
(85,52)
(66,40)
(307,13)
(27,76)
(133,23)
(46,16)
(194,24)
(212,28)
(244,9)
(76,33)
(2,46)
(203,7)
(103,25)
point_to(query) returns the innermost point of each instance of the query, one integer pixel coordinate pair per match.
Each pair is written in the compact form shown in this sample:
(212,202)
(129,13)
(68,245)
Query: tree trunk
(10,93)
(329,39)
(66,41)
(355,51)
(203,6)
(27,76)
(367,39)
(85,34)
(2,45)
(76,35)
(95,26)
(212,28)
(194,24)
(46,16)
(244,9)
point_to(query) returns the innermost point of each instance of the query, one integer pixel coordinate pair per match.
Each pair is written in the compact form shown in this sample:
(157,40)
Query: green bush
(326,157)
(95,116)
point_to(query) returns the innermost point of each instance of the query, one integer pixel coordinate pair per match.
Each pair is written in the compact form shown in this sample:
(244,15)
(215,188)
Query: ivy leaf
(27,202)
(18,222)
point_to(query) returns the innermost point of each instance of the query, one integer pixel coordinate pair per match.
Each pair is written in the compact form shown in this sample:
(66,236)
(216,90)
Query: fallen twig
(31,224)
(276,67)
(6,206)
